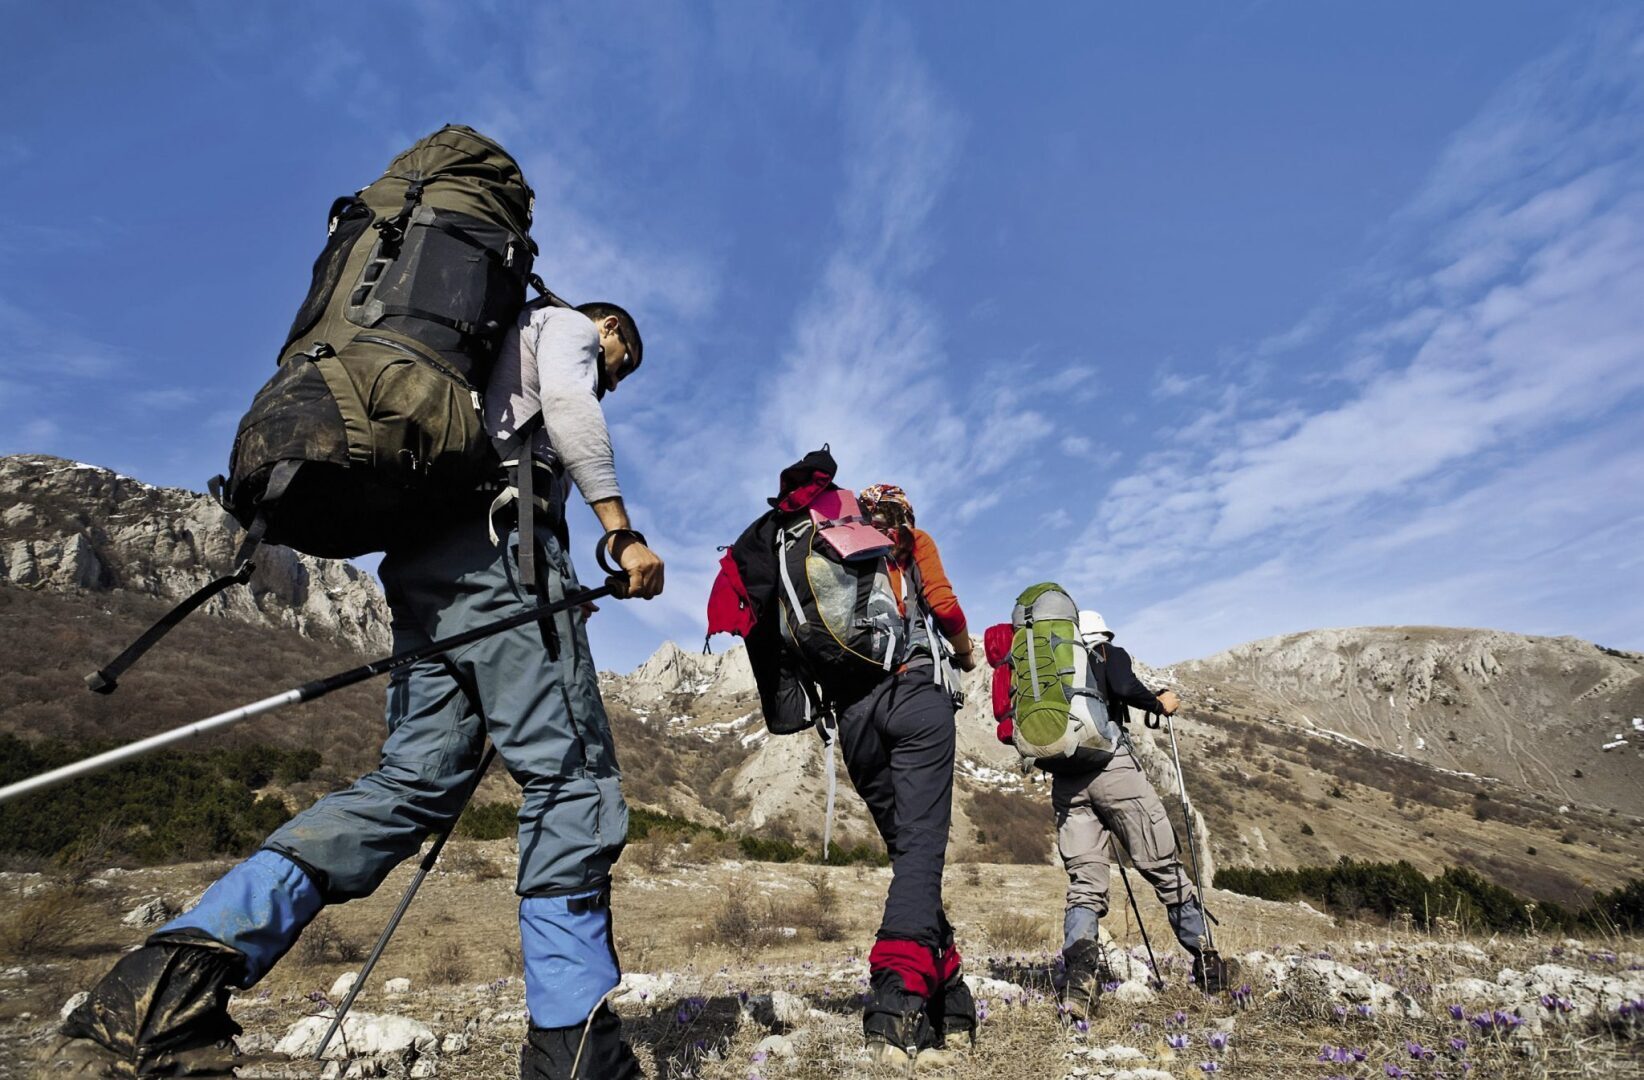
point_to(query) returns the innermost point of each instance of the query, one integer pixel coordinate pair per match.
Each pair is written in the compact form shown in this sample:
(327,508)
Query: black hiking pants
(898,745)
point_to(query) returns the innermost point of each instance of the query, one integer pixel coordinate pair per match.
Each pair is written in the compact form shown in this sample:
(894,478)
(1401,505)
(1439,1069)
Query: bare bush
(740,923)
(1014,932)
(447,964)
(471,862)
(46,924)
(323,942)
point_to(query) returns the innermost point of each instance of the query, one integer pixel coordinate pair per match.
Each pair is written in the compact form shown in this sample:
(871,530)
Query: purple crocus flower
(1179,1019)
(1340,1011)
(1218,1040)
(1177,1042)
(1417,1051)
(1393,1070)
(1365,1011)
(1209,1066)
(1082,1026)
(1457,1012)
(1458,1045)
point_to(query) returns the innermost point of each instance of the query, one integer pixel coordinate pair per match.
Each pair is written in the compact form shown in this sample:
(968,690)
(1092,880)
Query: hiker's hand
(966,661)
(1170,702)
(644,569)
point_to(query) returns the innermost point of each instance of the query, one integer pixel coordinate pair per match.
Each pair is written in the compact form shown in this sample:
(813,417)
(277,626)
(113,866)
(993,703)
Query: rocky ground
(742,970)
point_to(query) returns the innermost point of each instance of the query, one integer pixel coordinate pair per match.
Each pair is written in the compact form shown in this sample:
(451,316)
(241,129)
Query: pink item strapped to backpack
(839,523)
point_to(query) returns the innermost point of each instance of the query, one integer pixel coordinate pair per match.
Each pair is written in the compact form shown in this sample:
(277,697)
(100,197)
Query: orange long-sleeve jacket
(939,595)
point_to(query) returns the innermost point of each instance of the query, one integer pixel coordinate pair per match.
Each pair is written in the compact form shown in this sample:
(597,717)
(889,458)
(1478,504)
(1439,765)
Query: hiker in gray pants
(1114,801)
(533,690)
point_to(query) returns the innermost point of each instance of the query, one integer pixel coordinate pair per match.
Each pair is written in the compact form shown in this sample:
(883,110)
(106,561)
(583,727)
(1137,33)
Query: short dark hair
(600,310)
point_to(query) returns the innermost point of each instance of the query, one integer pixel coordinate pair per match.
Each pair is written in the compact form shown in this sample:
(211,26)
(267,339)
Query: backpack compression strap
(106,680)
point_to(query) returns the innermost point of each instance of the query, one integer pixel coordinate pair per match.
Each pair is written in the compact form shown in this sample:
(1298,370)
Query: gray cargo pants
(1116,799)
(544,716)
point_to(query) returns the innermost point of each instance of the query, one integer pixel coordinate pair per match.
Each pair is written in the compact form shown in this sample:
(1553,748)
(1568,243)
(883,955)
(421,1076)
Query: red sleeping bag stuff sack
(996,641)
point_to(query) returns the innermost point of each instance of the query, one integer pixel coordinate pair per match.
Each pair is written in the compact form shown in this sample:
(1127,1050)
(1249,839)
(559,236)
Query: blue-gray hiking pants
(548,724)
(544,716)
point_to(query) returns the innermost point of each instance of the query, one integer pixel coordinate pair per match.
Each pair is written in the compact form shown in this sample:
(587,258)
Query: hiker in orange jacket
(898,740)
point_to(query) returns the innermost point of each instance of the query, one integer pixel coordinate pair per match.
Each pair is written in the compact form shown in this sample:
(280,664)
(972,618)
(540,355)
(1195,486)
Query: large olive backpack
(373,419)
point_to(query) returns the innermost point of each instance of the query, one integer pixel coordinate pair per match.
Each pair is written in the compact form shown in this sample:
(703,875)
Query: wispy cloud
(1512,330)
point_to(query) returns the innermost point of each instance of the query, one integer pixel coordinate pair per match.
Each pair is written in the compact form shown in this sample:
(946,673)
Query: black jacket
(1121,687)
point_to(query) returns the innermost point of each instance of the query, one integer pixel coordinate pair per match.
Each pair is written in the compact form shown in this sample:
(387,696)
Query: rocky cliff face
(71,527)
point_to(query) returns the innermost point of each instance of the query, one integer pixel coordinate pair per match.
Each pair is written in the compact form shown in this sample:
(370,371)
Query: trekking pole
(426,865)
(1192,837)
(1124,874)
(615,585)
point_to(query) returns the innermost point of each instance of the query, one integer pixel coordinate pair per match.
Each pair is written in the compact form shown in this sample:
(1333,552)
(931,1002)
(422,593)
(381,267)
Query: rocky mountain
(1554,715)
(70,527)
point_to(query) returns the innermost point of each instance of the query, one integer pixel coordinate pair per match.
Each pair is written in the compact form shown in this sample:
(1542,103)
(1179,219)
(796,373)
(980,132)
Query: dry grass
(471,861)
(46,924)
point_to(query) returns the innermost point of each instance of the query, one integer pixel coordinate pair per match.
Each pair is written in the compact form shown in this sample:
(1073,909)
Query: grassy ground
(716,930)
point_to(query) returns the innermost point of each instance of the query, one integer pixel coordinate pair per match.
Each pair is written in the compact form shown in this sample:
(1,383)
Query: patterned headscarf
(888,500)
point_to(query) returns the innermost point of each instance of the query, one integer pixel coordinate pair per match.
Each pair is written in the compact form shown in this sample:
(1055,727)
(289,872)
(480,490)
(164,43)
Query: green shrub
(1387,890)
(170,806)
(489,821)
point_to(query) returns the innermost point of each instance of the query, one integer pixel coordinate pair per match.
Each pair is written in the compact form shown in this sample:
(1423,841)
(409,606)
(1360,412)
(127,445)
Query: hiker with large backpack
(852,626)
(1062,695)
(514,420)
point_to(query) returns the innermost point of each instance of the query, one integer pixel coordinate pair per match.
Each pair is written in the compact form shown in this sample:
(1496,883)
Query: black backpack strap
(106,680)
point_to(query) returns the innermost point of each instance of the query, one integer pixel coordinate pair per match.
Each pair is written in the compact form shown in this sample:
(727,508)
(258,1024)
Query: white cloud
(1515,328)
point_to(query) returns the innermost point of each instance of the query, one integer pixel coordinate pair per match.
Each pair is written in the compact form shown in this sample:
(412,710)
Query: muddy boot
(1083,989)
(162,1011)
(896,1024)
(1211,973)
(591,1051)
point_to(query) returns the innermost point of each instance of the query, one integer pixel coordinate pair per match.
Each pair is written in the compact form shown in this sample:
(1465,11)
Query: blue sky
(1237,318)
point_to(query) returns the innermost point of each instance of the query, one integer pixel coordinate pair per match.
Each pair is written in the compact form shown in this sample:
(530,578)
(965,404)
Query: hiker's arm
(644,568)
(567,355)
(941,600)
(1122,680)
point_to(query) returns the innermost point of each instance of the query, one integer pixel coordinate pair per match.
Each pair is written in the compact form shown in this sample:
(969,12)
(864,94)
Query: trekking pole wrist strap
(605,550)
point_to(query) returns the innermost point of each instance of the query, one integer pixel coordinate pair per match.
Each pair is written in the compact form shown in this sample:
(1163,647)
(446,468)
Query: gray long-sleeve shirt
(550,362)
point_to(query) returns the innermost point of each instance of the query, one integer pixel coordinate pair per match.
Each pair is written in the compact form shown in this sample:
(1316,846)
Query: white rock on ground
(397,986)
(345,982)
(150,912)
(983,987)
(778,1046)
(1341,982)
(777,1009)
(1588,992)
(638,988)
(362,1035)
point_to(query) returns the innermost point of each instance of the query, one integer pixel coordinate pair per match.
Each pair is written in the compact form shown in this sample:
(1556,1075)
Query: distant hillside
(1297,750)
(1554,715)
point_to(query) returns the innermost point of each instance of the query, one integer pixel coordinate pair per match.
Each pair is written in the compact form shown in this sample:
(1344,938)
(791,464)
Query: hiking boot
(591,1051)
(1211,973)
(1083,988)
(951,1013)
(896,1024)
(161,1011)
